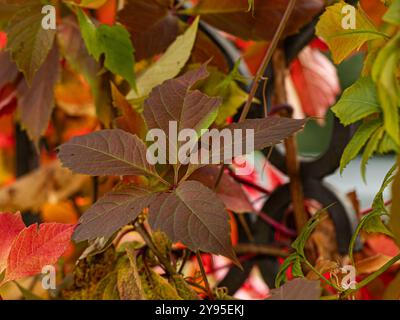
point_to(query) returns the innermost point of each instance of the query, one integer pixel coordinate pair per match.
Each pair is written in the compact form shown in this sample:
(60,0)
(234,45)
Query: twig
(264,65)
(204,275)
(292,162)
(245,248)
(277,225)
(267,58)
(249,183)
(186,256)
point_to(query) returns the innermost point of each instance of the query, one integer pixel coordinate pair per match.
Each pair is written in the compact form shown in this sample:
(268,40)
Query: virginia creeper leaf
(152,24)
(394,222)
(36,247)
(220,85)
(393,13)
(128,279)
(92,4)
(111,41)
(229,191)
(360,138)
(8,70)
(28,42)
(297,289)
(267,132)
(192,214)
(113,211)
(370,148)
(75,52)
(10,226)
(36,101)
(342,42)
(357,102)
(174,101)
(384,74)
(169,65)
(234,17)
(106,152)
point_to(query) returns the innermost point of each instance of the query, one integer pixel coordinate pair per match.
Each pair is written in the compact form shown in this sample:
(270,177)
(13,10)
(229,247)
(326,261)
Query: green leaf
(394,222)
(281,275)
(378,202)
(111,288)
(379,209)
(169,65)
(92,4)
(157,287)
(220,85)
(28,42)
(374,224)
(74,50)
(384,74)
(251,6)
(388,145)
(370,148)
(393,14)
(307,230)
(111,41)
(360,138)
(357,102)
(128,279)
(342,42)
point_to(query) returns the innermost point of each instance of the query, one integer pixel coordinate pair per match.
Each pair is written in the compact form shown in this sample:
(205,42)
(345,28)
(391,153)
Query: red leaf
(10,226)
(36,247)
(316,82)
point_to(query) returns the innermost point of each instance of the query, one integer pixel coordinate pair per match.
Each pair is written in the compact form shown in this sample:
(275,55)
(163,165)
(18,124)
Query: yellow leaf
(342,36)
(169,65)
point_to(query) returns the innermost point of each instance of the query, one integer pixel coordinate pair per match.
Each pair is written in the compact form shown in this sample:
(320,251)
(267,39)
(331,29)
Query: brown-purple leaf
(8,70)
(174,101)
(36,102)
(229,191)
(233,17)
(106,152)
(267,132)
(193,214)
(297,289)
(152,25)
(111,212)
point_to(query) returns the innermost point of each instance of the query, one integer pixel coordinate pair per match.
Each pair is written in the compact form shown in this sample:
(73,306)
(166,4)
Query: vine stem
(149,241)
(292,162)
(267,58)
(204,275)
(372,276)
(261,70)
(319,274)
